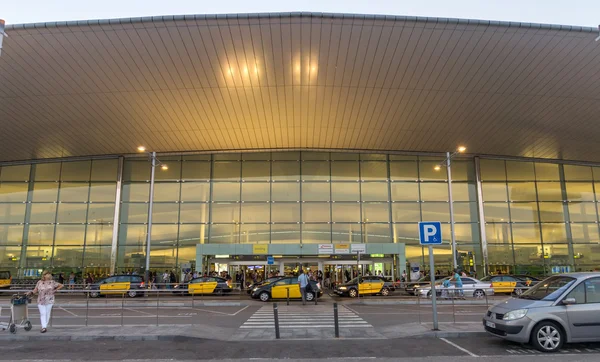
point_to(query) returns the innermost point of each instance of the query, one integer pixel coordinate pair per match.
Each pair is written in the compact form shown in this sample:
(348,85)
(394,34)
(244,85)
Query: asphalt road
(427,349)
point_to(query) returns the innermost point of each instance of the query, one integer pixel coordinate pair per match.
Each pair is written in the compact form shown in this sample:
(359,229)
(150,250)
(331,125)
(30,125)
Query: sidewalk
(425,330)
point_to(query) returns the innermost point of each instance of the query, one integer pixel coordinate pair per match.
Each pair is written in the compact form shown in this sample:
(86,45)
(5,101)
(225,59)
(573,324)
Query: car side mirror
(569,301)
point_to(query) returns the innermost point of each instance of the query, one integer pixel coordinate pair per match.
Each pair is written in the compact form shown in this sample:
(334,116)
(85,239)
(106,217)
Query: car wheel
(385,292)
(310,296)
(94,294)
(547,337)
(479,294)
(353,293)
(429,294)
(132,293)
(264,296)
(518,291)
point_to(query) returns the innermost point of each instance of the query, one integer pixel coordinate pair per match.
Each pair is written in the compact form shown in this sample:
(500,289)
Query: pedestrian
(45,289)
(72,280)
(89,280)
(347,275)
(172,278)
(61,278)
(303,281)
(458,282)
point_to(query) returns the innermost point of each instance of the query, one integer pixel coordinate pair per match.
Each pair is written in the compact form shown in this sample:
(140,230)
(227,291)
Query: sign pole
(433,292)
(358,272)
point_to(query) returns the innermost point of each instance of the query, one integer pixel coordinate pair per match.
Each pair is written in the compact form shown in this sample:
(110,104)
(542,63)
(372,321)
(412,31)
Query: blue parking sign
(430,233)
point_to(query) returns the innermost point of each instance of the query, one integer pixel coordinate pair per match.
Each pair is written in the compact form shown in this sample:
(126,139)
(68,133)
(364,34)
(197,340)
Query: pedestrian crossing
(307,317)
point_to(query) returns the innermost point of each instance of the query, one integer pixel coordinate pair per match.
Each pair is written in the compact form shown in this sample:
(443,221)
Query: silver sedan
(471,288)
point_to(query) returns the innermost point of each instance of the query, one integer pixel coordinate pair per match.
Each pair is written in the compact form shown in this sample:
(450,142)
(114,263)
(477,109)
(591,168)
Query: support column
(115,235)
(25,239)
(484,249)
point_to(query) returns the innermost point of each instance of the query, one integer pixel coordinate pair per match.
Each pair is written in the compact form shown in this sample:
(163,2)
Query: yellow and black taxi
(203,286)
(281,288)
(512,284)
(262,282)
(131,285)
(5,279)
(367,285)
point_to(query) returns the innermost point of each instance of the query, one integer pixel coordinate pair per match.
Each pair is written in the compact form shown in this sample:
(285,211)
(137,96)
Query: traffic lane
(493,346)
(390,315)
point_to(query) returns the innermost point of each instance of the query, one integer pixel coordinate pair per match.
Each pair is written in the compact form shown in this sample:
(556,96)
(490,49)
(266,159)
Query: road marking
(71,313)
(459,347)
(139,311)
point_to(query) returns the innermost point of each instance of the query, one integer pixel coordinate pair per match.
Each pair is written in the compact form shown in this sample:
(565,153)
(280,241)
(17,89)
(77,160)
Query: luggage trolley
(19,316)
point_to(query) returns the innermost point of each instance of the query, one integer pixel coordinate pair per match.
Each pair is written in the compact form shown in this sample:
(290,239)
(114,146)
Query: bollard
(315,295)
(122,307)
(453,310)
(157,301)
(276,316)
(417,293)
(335,320)
(288,296)
(87,307)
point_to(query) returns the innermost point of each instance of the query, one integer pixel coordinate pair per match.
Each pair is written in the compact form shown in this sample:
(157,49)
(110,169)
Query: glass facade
(60,215)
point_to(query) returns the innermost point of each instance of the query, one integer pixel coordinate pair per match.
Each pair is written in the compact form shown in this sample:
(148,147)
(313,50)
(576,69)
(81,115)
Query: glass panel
(406,212)
(406,233)
(67,256)
(549,191)
(554,233)
(37,257)
(197,157)
(164,234)
(131,256)
(346,233)
(227,171)
(377,233)
(285,155)
(373,171)
(224,234)
(256,170)
(464,191)
(465,233)
(70,235)
(76,171)
(496,211)
(256,212)
(316,212)
(519,171)
(47,171)
(499,255)
(40,235)
(344,171)
(585,233)
(435,211)
(588,255)
(195,171)
(45,191)
(315,170)
(582,212)
(98,234)
(13,192)
(195,191)
(494,191)
(285,212)
(402,157)
(346,212)
(373,156)
(374,191)
(101,213)
(546,172)
(552,212)
(74,192)
(288,191)
(255,234)
(316,233)
(310,155)
(165,213)
(192,235)
(227,156)
(172,173)
(345,191)
(577,173)
(72,213)
(136,171)
(465,212)
(14,173)
(103,192)
(526,233)
(427,171)
(192,212)
(524,212)
(497,233)
(226,191)
(11,214)
(434,191)
(256,191)
(11,235)
(580,191)
(463,170)
(376,212)
(521,191)
(492,170)
(43,213)
(403,171)
(97,257)
(344,156)
(134,213)
(225,213)
(104,170)
(405,191)
(285,234)
(260,156)
(132,235)
(312,191)
(136,192)
(286,170)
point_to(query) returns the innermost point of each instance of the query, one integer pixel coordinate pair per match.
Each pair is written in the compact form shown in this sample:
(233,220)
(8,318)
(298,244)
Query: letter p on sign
(430,233)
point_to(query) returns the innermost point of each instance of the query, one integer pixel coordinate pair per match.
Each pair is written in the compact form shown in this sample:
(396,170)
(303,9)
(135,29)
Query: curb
(178,338)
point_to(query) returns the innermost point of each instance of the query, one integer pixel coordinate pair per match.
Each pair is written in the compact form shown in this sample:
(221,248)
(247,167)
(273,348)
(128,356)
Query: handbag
(308,287)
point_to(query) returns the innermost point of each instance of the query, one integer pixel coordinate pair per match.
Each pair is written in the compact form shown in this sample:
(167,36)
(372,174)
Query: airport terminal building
(298,139)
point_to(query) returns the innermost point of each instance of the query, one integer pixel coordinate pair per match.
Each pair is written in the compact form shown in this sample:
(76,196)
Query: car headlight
(417,286)
(515,314)
(255,289)
(343,288)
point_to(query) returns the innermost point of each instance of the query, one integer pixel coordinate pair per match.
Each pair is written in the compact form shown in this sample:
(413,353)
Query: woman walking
(45,290)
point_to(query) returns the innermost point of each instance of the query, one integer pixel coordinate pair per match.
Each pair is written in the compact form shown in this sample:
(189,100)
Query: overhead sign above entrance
(270,260)
(260,249)
(430,233)
(325,248)
(358,248)
(342,248)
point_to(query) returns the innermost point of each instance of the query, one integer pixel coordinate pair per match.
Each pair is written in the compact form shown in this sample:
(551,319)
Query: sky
(565,12)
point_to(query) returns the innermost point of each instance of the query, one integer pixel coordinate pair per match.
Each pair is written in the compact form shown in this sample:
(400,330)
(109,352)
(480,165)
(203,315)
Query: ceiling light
(437,167)
(164,167)
(141,148)
(461,149)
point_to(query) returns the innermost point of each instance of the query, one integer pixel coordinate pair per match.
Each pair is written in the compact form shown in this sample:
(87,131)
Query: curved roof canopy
(299,80)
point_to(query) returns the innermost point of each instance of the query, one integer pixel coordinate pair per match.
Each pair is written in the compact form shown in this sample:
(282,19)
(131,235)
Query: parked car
(560,309)
(471,288)
(364,286)
(203,286)
(132,285)
(411,287)
(5,279)
(266,281)
(516,284)
(279,289)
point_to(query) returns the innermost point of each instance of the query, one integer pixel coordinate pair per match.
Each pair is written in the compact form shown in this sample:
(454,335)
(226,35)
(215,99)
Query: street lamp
(447,161)
(154,162)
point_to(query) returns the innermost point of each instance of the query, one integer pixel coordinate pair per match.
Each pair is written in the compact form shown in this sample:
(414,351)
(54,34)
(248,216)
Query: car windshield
(4,275)
(353,281)
(549,289)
